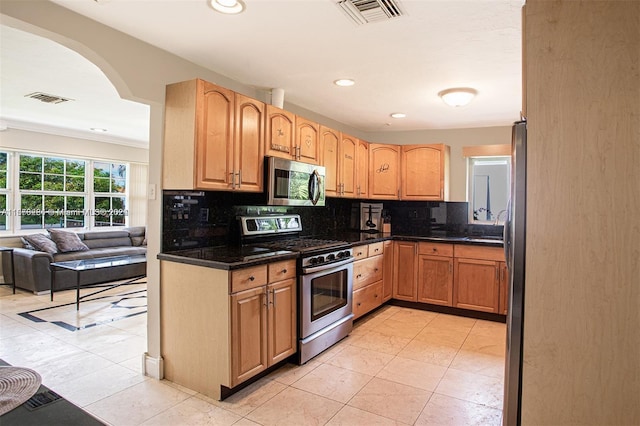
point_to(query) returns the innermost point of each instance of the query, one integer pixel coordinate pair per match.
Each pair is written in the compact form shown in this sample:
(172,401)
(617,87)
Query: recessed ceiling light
(344,82)
(398,115)
(459,96)
(98,129)
(230,7)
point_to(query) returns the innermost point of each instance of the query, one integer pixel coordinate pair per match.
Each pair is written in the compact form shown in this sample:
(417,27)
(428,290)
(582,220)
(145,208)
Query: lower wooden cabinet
(477,278)
(405,273)
(368,276)
(435,273)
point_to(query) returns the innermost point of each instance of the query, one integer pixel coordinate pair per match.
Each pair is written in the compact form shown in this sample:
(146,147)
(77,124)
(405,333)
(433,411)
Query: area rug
(99,311)
(17,385)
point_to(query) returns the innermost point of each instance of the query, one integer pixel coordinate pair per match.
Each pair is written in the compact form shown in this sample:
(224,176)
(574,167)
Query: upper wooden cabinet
(280,130)
(424,171)
(329,147)
(384,171)
(362,169)
(307,141)
(213,138)
(347,164)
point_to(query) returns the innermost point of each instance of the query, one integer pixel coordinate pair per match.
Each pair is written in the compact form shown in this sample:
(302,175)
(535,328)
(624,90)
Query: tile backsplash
(208,218)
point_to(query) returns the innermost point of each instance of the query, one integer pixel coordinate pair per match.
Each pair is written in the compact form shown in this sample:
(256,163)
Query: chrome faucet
(498,216)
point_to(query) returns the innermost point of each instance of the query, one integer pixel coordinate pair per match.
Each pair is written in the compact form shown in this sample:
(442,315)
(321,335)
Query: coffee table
(84,265)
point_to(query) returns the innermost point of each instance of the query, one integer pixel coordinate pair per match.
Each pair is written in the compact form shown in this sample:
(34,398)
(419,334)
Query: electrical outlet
(152,191)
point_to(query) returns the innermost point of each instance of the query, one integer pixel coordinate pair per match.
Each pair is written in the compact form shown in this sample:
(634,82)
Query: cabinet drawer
(360,252)
(367,271)
(376,248)
(436,249)
(244,279)
(479,252)
(366,299)
(283,270)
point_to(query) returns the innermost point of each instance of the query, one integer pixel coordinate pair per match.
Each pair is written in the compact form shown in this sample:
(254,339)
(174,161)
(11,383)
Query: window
(109,179)
(488,189)
(55,192)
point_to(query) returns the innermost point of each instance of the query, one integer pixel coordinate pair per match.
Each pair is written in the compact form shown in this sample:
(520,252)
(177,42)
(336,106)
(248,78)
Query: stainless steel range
(325,279)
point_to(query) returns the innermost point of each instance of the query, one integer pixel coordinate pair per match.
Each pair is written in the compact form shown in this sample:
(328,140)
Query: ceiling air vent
(366,11)
(49,99)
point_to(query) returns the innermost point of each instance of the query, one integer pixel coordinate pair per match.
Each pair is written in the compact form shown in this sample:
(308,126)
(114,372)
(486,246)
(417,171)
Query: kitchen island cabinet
(220,327)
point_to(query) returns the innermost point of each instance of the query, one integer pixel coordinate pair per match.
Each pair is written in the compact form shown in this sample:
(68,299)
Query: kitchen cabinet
(367,278)
(213,138)
(387,270)
(424,171)
(405,273)
(307,141)
(384,171)
(329,147)
(280,131)
(221,327)
(347,172)
(477,277)
(435,273)
(362,169)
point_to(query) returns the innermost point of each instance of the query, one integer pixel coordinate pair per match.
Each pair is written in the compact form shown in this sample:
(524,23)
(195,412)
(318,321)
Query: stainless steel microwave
(293,183)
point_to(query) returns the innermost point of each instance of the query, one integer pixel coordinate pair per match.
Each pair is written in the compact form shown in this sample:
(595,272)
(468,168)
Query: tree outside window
(3,190)
(110,185)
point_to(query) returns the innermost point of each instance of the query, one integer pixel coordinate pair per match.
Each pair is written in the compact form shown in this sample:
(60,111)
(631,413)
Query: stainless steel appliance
(366,217)
(293,183)
(325,279)
(514,246)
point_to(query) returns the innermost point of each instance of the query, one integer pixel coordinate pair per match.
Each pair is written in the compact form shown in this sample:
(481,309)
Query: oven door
(292,183)
(325,297)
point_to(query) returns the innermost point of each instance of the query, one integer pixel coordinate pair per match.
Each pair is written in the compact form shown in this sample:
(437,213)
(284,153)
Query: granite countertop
(233,257)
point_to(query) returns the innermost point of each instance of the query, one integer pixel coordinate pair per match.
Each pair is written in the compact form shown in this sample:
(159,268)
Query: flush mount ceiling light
(398,115)
(457,97)
(98,129)
(344,82)
(230,7)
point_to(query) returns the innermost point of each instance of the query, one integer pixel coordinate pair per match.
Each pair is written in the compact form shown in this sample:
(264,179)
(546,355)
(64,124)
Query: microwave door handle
(314,187)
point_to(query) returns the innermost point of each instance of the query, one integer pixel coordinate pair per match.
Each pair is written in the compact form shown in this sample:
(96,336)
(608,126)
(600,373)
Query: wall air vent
(367,11)
(46,98)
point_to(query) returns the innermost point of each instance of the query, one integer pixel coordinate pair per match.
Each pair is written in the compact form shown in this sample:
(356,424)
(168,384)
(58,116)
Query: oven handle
(326,266)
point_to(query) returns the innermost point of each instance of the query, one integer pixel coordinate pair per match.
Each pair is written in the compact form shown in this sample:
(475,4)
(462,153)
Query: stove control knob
(331,257)
(342,254)
(320,259)
(313,261)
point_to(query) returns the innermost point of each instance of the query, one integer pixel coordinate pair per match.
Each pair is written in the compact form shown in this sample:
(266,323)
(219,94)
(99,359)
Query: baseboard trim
(152,367)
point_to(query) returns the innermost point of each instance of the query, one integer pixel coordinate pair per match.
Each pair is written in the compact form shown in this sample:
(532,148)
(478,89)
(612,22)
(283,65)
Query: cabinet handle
(450,267)
(239,178)
(266,298)
(398,194)
(375,296)
(233,180)
(284,271)
(359,276)
(359,253)
(359,304)
(273,297)
(252,278)
(377,250)
(375,270)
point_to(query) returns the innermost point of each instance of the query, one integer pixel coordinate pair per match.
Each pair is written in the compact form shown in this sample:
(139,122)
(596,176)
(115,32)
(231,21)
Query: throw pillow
(67,241)
(42,242)
(27,244)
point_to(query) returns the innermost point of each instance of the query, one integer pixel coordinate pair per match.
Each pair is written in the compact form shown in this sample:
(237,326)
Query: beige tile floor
(398,367)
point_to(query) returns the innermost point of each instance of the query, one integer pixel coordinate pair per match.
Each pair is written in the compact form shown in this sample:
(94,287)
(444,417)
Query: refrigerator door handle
(506,235)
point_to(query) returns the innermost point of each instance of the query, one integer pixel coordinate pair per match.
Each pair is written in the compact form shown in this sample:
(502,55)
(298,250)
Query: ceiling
(300,46)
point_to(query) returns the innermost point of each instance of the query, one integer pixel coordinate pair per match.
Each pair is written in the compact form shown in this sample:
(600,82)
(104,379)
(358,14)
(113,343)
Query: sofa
(32,262)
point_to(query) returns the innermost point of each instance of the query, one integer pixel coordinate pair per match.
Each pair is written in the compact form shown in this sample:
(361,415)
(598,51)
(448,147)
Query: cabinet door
(476,285)
(281,320)
(384,171)
(435,280)
(307,147)
(348,148)
(248,144)
(248,334)
(423,168)
(504,288)
(404,281)
(280,133)
(329,143)
(387,271)
(214,140)
(362,169)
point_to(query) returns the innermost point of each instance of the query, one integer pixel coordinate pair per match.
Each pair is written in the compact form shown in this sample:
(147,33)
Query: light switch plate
(152,191)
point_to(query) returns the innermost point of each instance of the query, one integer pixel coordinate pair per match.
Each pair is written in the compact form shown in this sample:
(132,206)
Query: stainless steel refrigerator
(514,247)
